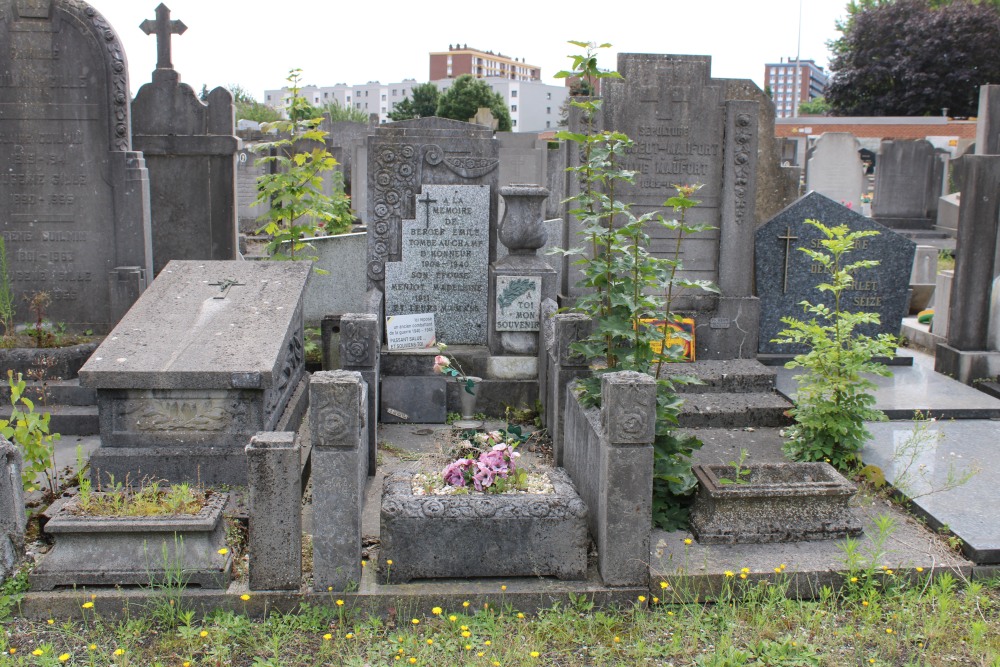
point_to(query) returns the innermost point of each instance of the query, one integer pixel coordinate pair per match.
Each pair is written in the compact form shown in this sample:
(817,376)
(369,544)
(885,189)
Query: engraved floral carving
(743,163)
(631,413)
(290,372)
(356,344)
(178,415)
(471,167)
(396,175)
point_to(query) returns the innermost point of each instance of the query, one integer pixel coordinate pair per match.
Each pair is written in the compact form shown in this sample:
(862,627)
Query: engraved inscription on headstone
(445,258)
(518,303)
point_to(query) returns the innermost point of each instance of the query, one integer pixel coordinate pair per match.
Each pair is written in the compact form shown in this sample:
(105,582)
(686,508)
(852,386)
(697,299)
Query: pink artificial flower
(440,363)
(454,473)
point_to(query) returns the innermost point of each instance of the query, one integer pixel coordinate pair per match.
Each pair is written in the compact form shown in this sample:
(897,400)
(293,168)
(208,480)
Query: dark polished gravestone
(211,354)
(74,196)
(190,150)
(786,276)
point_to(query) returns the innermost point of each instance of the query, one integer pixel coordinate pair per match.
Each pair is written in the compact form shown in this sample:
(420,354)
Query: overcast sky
(255,42)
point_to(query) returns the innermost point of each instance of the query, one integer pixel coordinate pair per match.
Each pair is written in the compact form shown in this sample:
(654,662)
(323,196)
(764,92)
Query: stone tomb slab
(445,263)
(210,355)
(946,447)
(786,276)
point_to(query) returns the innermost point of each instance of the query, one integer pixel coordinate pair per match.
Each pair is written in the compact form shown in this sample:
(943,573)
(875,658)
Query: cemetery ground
(898,596)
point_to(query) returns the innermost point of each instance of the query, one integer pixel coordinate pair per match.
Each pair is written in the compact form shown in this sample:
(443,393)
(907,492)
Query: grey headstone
(247,172)
(834,169)
(522,159)
(988,121)
(190,148)
(413,399)
(200,366)
(947,215)
(907,183)
(13,518)
(445,262)
(692,129)
(787,276)
(403,158)
(75,213)
(342,289)
(275,480)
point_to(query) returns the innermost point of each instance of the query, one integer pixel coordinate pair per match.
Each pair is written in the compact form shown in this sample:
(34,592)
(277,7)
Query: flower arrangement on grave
(448,366)
(486,462)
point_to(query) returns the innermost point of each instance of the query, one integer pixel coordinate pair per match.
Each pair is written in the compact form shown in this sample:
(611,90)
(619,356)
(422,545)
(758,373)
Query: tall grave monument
(75,196)
(190,149)
(692,129)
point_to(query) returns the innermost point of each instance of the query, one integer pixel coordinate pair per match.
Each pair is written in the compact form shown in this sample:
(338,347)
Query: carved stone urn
(521,229)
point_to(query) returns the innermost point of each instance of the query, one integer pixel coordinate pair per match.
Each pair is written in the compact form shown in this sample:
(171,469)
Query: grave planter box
(775,502)
(58,362)
(134,551)
(483,535)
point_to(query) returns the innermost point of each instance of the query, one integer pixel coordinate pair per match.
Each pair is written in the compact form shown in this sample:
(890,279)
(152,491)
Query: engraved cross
(787,238)
(428,201)
(224,286)
(163,27)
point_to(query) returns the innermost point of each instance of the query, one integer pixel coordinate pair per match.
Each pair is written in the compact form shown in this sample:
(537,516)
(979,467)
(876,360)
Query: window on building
(513,122)
(268,98)
(394,92)
(357,105)
(348,99)
(383,98)
(513,93)
(548,123)
(513,107)
(548,109)
(548,96)
(366,93)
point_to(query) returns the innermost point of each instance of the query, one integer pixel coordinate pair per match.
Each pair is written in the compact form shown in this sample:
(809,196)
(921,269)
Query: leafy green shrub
(29,431)
(834,398)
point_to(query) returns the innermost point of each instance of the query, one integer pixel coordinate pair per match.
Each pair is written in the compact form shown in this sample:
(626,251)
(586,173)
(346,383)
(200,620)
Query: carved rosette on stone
(743,164)
(521,229)
(397,175)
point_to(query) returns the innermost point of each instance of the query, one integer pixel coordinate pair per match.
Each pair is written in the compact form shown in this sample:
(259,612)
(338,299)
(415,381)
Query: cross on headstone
(672,109)
(787,238)
(224,286)
(428,201)
(163,27)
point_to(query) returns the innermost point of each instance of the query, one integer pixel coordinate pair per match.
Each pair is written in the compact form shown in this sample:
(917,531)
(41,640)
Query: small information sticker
(408,332)
(518,303)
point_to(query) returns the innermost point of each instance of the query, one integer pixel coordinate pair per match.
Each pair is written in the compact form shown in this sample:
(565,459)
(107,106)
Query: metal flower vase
(468,404)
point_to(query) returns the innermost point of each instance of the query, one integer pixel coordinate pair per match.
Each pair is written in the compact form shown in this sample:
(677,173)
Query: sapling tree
(834,397)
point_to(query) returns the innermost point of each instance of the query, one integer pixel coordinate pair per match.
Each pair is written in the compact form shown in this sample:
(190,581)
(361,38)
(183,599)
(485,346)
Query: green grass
(879,620)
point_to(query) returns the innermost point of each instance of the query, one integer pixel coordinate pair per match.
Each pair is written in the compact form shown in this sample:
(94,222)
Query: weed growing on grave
(148,499)
(29,431)
(627,290)
(298,206)
(834,398)
(912,476)
(7,304)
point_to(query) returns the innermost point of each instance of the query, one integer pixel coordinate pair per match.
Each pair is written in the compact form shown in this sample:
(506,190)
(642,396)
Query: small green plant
(834,398)
(313,345)
(148,499)
(740,474)
(29,431)
(39,331)
(298,205)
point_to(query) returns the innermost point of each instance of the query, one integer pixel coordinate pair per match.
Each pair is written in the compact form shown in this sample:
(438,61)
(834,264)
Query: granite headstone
(834,169)
(75,196)
(247,171)
(908,180)
(211,354)
(444,267)
(786,276)
(190,150)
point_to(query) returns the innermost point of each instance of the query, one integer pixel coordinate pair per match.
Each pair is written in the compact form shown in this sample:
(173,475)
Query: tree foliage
(248,108)
(466,95)
(339,113)
(818,106)
(422,103)
(914,57)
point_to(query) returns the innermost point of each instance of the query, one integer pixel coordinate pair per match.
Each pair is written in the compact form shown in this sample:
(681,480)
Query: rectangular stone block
(13,518)
(483,535)
(413,400)
(275,480)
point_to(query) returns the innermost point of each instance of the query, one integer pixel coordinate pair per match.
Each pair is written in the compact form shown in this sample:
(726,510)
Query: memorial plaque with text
(519,300)
(786,276)
(445,262)
(71,191)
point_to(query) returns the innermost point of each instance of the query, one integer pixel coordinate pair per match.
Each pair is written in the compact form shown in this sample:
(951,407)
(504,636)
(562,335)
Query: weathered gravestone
(13,517)
(908,184)
(403,160)
(211,354)
(692,129)
(445,263)
(247,171)
(786,276)
(988,121)
(190,150)
(75,196)
(834,169)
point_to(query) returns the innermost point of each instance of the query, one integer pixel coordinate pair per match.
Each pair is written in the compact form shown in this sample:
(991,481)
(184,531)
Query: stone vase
(521,228)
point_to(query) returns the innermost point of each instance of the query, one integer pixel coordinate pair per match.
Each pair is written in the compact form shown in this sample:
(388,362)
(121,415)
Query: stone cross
(428,201)
(787,238)
(225,285)
(672,109)
(163,27)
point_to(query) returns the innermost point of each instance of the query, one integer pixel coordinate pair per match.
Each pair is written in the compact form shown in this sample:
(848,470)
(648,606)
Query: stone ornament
(628,407)
(336,412)
(358,335)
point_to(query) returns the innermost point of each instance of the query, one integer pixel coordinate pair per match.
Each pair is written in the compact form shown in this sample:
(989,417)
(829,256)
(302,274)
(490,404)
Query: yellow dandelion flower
(119,651)
(729,573)
(782,566)
(223,551)
(88,605)
(397,657)
(364,563)
(616,639)
(436,611)
(777,570)
(745,570)
(687,541)
(349,635)
(340,603)
(329,588)
(520,615)
(670,613)
(864,603)
(466,634)
(50,621)
(468,647)
(480,654)
(465,604)
(413,661)
(203,633)
(64,657)
(920,569)
(496,663)
(854,580)
(888,571)
(92,647)
(389,562)
(503,587)
(534,654)
(38,652)
(642,598)
(664,585)
(430,641)
(12,651)
(185,664)
(743,575)
(415,621)
(655,599)
(871,660)
(487,643)
(327,637)
(453,618)
(888,631)
(245,597)
(464,627)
